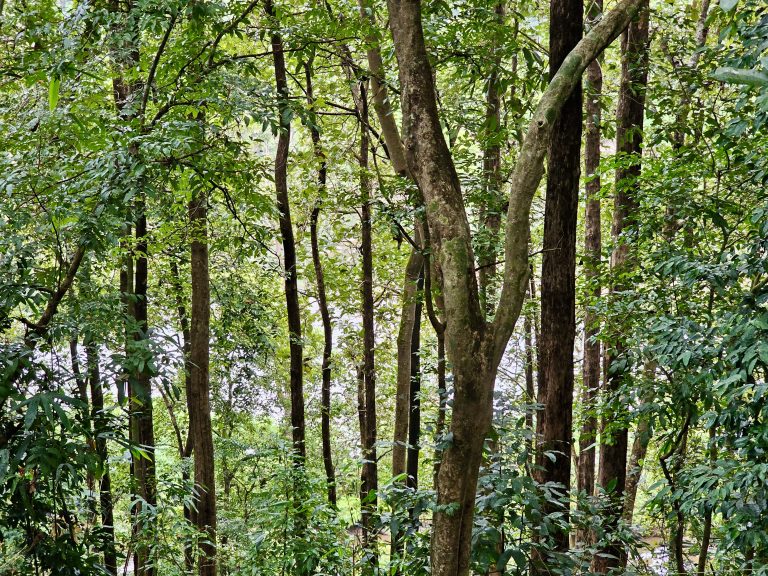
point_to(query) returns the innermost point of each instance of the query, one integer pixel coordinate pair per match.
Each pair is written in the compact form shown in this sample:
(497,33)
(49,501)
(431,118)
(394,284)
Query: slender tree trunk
(493,200)
(707,530)
(185,447)
(199,380)
(629,125)
(530,386)
(643,434)
(592,254)
(141,388)
(414,422)
(391,135)
(289,247)
(322,300)
(298,430)
(558,271)
(100,427)
(369,448)
(404,356)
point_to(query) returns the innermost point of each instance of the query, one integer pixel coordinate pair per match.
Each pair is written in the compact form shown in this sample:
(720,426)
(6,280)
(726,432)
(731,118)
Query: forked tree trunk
(474,346)
(629,125)
(558,273)
(199,384)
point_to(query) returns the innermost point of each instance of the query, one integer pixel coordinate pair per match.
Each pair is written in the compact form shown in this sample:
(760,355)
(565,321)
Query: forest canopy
(384,288)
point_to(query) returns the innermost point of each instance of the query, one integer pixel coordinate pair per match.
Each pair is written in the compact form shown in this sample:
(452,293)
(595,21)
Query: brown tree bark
(592,254)
(289,246)
(370,465)
(629,125)
(474,346)
(322,300)
(199,384)
(558,272)
(100,426)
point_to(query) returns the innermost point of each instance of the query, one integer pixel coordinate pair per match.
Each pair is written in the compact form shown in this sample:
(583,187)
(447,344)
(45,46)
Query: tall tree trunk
(629,125)
(414,421)
(391,135)
(592,254)
(298,430)
(370,464)
(141,388)
(473,345)
(322,300)
(185,447)
(289,247)
(493,200)
(100,427)
(199,380)
(558,271)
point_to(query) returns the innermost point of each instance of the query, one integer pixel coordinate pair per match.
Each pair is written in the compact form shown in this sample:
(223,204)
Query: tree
(629,125)
(474,346)
(558,268)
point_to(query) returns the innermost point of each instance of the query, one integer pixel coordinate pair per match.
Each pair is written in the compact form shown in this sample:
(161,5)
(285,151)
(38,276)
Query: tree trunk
(530,386)
(493,199)
(199,380)
(322,300)
(643,434)
(289,247)
(404,358)
(100,427)
(185,447)
(558,271)
(141,387)
(474,346)
(592,254)
(391,135)
(629,125)
(414,421)
(370,464)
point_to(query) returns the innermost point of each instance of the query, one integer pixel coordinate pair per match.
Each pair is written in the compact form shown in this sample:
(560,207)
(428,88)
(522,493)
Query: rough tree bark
(629,124)
(474,346)
(558,272)
(199,384)
(322,300)
(592,251)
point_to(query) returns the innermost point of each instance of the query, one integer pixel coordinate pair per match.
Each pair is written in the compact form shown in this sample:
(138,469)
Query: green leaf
(728,5)
(741,76)
(53,92)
